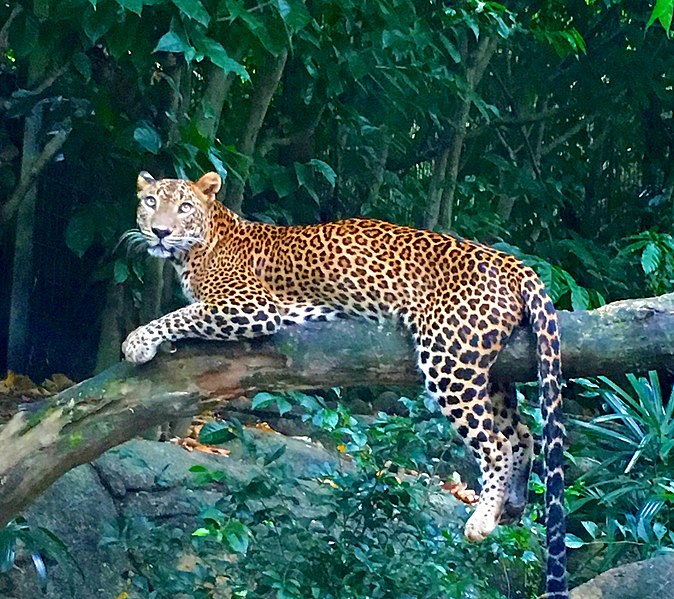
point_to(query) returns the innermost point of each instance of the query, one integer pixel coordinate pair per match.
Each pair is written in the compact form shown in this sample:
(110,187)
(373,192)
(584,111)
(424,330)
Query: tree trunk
(213,99)
(22,204)
(442,207)
(82,422)
(265,86)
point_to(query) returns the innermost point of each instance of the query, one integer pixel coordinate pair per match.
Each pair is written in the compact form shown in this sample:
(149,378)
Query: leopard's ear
(144,180)
(209,184)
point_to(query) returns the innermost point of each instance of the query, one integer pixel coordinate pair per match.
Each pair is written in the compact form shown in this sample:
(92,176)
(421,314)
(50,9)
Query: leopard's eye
(185,207)
(150,201)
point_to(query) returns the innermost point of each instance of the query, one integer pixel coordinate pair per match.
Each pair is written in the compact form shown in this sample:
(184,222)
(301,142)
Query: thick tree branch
(82,422)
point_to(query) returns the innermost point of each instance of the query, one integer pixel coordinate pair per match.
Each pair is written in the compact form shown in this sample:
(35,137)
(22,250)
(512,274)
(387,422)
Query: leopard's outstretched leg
(248,311)
(508,421)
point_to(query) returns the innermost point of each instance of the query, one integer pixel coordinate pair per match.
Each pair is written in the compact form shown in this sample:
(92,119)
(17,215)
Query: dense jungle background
(543,127)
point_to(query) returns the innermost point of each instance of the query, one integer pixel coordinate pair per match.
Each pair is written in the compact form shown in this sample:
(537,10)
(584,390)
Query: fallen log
(84,421)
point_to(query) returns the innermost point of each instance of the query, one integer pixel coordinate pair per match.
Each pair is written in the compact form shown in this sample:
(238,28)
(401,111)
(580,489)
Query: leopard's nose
(161,232)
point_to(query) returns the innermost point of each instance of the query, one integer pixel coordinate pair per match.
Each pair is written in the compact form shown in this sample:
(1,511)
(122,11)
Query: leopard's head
(173,214)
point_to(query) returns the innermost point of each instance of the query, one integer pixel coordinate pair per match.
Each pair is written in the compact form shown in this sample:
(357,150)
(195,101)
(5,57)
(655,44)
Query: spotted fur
(460,301)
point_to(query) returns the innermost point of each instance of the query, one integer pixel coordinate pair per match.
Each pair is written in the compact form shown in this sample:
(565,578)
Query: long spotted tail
(544,322)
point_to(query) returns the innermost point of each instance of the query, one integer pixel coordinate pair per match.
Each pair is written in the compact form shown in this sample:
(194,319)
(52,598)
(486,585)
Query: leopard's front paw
(138,347)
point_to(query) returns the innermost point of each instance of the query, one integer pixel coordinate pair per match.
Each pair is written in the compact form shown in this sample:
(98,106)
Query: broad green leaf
(662,12)
(80,233)
(172,42)
(218,164)
(591,527)
(147,137)
(219,57)
(216,433)
(283,405)
(135,6)
(175,40)
(330,419)
(194,10)
(294,14)
(237,534)
(660,530)
(201,532)
(97,23)
(651,258)
(212,513)
(257,26)
(262,400)
(284,182)
(580,298)
(572,541)
(305,177)
(325,170)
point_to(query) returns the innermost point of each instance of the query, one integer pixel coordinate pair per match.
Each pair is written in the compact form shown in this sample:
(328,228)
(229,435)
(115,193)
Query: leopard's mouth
(159,250)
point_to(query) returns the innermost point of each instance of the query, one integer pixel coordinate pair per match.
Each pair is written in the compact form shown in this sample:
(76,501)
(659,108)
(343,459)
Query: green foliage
(662,12)
(564,290)
(624,500)
(656,251)
(39,543)
(370,529)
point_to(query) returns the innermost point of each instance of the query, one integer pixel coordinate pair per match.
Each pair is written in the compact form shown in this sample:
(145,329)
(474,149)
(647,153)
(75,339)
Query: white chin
(159,251)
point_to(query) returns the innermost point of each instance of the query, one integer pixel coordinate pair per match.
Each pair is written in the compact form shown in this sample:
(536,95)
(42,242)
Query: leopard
(458,299)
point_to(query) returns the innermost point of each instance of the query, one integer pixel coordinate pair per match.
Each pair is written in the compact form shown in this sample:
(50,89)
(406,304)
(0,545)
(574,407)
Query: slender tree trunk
(18,345)
(265,85)
(213,100)
(440,213)
(379,169)
(435,190)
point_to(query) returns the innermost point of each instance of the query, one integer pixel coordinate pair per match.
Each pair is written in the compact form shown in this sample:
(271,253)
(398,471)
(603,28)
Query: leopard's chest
(186,276)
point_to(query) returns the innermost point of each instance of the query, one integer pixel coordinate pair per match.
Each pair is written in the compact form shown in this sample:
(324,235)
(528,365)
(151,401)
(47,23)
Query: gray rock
(127,518)
(640,580)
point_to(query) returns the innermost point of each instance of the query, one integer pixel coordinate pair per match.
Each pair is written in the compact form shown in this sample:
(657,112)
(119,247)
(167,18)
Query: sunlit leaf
(219,57)
(572,541)
(662,12)
(651,258)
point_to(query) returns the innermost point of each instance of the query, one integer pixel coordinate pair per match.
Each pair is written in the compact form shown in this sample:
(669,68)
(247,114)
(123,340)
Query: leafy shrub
(369,529)
(656,252)
(623,505)
(19,536)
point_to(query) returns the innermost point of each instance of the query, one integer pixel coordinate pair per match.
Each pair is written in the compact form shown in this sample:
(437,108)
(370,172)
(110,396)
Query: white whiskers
(135,241)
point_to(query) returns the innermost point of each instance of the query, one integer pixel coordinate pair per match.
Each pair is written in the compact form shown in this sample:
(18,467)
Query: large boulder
(648,579)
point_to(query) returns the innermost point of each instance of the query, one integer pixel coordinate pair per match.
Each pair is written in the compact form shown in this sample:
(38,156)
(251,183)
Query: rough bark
(82,422)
